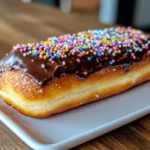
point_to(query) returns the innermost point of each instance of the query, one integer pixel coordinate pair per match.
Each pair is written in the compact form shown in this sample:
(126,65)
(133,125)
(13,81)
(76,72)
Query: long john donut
(41,79)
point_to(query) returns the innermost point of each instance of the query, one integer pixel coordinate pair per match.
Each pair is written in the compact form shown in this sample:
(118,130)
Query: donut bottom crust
(21,92)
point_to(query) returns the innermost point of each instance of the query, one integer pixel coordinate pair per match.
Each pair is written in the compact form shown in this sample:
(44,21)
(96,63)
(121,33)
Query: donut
(48,77)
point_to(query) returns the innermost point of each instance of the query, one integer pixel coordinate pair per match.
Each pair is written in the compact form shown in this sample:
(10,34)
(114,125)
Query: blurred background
(125,12)
(23,21)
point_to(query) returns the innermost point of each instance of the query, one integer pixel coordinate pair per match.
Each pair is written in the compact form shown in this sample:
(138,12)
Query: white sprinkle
(24,54)
(23,45)
(113,54)
(63,63)
(43,66)
(94,53)
(27,53)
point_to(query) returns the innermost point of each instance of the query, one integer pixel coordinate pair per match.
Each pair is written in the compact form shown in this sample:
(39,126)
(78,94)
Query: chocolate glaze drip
(32,65)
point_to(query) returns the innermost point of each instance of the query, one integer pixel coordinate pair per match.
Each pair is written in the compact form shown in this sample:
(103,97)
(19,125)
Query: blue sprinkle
(50,54)
(110,62)
(55,41)
(136,45)
(57,55)
(89,58)
(99,54)
(35,53)
(127,51)
(81,48)
(117,45)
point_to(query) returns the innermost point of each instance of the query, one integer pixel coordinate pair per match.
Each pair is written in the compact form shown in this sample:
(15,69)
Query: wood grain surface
(21,23)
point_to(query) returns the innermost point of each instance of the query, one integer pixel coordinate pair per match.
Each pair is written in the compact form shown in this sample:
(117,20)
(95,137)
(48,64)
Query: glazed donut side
(21,92)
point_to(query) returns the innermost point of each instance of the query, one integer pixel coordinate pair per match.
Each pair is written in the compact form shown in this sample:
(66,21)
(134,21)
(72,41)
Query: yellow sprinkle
(45,43)
(55,49)
(115,51)
(62,56)
(34,48)
(80,55)
(42,53)
(79,33)
(105,39)
(29,44)
(108,43)
(112,38)
(91,50)
(47,53)
(67,49)
(45,57)
(87,35)
(87,52)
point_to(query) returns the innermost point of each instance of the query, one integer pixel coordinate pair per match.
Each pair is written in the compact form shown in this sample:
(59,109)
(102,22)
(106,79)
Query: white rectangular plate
(71,128)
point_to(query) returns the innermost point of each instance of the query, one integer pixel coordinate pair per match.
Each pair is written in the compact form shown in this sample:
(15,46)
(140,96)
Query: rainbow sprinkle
(98,42)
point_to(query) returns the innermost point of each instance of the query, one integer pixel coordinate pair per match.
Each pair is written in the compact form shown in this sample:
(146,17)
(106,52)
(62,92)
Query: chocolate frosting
(89,64)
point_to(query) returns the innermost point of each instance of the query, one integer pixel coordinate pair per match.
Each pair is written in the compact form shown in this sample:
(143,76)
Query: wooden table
(20,23)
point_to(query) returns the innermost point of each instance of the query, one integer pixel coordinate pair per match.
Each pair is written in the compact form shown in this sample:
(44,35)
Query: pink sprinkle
(132,54)
(21,50)
(40,56)
(47,47)
(18,45)
(102,53)
(78,60)
(33,44)
(146,47)
(149,52)
(113,60)
(129,28)
(40,51)
(143,46)
(78,50)
(24,49)
(134,57)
